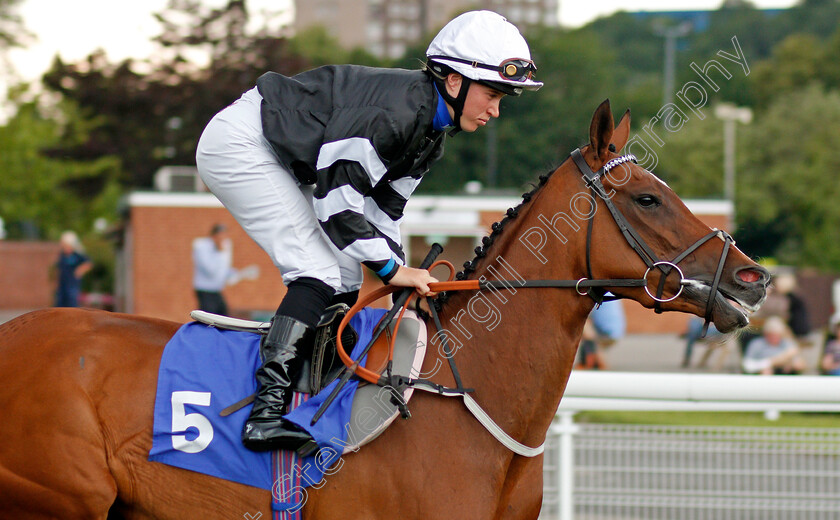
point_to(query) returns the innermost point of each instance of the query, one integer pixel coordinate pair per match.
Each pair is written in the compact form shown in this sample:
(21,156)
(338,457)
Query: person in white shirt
(212,269)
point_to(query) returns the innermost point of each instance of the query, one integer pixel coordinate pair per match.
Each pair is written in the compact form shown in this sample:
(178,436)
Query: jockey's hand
(419,279)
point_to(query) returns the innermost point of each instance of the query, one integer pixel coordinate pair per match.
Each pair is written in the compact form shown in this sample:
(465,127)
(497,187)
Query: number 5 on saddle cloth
(210,364)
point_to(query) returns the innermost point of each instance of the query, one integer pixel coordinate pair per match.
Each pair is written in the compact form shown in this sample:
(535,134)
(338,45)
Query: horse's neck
(518,349)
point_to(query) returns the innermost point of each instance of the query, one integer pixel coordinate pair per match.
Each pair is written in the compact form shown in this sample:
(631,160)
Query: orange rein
(449,285)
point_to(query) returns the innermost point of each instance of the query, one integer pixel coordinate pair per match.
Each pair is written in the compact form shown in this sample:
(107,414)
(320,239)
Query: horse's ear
(622,132)
(601,130)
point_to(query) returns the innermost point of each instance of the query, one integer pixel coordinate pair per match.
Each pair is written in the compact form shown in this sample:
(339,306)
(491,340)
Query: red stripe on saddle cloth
(286,467)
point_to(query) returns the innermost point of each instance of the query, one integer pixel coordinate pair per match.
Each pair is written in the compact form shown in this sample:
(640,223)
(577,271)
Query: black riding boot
(283,351)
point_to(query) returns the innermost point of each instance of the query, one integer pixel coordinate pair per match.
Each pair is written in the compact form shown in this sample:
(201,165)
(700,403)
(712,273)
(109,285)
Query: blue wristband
(387,269)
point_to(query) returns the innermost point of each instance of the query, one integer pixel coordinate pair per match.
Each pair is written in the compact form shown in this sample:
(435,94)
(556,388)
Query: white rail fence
(616,472)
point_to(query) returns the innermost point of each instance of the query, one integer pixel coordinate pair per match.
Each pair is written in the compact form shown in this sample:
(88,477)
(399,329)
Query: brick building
(25,281)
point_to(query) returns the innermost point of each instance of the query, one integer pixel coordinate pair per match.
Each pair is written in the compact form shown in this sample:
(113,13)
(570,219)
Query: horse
(79,385)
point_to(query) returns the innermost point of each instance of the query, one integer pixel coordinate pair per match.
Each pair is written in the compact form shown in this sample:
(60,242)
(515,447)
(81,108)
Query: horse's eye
(647,201)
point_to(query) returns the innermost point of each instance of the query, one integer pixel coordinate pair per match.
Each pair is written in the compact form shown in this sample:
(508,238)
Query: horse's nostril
(750,275)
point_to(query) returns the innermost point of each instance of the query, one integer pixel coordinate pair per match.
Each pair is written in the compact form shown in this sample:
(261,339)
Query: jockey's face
(481,105)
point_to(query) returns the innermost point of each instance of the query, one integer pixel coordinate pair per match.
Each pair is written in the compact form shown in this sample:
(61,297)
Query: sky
(75,28)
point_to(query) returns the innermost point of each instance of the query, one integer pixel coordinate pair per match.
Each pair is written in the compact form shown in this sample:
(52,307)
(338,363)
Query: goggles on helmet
(513,69)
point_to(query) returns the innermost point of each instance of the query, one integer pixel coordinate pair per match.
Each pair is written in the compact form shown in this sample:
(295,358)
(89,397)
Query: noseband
(593,181)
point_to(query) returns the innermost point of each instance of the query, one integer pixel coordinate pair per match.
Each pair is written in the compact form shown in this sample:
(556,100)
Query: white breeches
(238,165)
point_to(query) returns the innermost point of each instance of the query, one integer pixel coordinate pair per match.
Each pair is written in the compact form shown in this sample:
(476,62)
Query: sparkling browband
(618,160)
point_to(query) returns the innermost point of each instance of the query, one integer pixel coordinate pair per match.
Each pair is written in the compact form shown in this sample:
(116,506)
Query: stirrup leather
(325,360)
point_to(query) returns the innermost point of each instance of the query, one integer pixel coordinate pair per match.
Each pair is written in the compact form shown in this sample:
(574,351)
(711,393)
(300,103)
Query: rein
(586,286)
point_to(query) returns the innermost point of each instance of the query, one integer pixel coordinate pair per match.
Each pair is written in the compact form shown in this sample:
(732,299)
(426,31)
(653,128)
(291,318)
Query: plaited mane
(498,227)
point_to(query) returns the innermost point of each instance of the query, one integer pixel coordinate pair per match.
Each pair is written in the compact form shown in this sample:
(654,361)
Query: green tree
(155,118)
(786,187)
(319,48)
(691,161)
(831,55)
(796,62)
(818,17)
(638,49)
(46,195)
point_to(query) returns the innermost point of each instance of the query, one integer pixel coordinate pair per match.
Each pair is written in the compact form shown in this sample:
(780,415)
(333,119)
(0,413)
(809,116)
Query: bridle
(593,181)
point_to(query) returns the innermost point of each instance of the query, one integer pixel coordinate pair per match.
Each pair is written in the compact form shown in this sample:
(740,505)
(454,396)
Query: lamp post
(730,114)
(671,34)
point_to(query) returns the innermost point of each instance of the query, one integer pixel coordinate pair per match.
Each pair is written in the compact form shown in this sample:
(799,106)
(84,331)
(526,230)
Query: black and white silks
(363,136)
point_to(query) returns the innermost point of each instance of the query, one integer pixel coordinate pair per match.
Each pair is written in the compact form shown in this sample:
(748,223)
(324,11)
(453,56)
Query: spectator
(72,264)
(606,325)
(782,301)
(714,340)
(797,312)
(213,270)
(774,352)
(830,362)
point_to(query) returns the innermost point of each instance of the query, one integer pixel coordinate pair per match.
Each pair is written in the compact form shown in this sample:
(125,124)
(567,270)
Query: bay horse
(78,386)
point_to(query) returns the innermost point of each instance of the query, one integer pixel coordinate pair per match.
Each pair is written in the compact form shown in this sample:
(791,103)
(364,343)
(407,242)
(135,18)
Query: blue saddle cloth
(205,369)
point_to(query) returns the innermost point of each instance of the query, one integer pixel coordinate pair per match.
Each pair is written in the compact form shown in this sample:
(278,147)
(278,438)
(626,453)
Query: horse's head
(717,280)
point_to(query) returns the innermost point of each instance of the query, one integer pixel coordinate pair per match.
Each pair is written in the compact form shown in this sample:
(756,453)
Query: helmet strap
(457,103)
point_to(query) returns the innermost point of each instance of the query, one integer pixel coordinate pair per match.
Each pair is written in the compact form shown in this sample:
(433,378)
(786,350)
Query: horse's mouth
(732,306)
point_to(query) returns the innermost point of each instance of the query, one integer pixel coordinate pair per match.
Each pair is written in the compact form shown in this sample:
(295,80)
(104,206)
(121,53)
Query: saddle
(324,365)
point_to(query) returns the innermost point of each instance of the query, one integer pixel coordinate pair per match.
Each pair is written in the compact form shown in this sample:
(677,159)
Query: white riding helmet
(483,46)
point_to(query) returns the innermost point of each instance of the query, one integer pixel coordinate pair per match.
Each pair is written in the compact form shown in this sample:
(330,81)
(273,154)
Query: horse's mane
(496,231)
(498,227)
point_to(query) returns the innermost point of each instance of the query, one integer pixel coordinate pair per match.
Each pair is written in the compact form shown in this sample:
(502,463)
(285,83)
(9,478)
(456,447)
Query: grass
(753,419)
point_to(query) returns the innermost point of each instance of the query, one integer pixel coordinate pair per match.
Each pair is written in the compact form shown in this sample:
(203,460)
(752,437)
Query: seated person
(774,352)
(830,362)
(609,321)
(606,325)
(714,341)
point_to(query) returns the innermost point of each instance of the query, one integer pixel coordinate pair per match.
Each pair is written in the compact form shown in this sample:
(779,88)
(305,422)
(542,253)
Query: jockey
(317,169)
